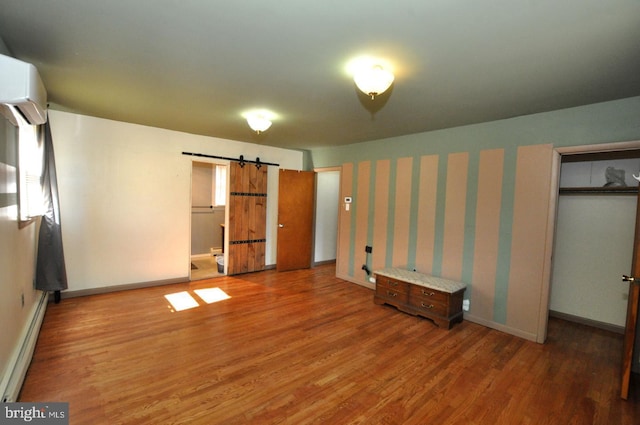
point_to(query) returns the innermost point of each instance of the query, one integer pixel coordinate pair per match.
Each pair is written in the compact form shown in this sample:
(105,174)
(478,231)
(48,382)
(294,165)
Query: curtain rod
(241,160)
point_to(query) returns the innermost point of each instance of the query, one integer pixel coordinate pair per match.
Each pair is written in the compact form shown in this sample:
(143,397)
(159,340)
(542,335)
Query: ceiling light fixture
(373,80)
(259,121)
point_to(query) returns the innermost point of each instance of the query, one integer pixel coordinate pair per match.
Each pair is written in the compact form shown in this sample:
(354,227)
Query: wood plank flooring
(304,347)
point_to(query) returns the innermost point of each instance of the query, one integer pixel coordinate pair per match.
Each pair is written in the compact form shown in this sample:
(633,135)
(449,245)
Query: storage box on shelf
(420,294)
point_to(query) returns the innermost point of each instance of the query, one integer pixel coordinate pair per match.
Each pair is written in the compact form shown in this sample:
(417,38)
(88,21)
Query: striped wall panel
(426,220)
(343,255)
(361,203)
(477,216)
(402,211)
(381,214)
(454,215)
(530,206)
(487,233)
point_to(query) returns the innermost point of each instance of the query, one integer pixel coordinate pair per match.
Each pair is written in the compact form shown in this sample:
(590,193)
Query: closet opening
(593,237)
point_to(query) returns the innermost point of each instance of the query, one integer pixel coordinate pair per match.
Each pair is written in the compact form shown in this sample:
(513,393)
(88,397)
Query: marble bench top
(437,283)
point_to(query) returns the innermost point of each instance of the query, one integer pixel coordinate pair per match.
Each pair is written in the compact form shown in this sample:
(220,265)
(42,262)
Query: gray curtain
(51,273)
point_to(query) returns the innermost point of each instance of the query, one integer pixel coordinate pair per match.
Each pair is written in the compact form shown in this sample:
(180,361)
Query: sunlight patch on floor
(212,295)
(183,300)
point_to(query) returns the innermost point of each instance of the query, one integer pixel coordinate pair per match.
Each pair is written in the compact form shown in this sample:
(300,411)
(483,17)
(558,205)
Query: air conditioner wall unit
(22,91)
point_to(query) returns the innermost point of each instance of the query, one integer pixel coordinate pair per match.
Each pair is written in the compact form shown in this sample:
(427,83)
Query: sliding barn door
(247,218)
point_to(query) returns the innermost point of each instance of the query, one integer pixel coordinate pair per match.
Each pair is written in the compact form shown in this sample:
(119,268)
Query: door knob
(626,278)
(280,225)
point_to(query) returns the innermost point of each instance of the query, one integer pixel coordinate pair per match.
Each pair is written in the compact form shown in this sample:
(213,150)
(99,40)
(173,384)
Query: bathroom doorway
(208,218)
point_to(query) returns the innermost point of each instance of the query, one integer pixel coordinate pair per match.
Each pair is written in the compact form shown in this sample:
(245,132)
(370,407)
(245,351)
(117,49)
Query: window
(30,161)
(220,195)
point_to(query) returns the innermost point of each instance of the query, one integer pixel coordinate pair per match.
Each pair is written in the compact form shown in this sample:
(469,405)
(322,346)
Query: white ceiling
(196,65)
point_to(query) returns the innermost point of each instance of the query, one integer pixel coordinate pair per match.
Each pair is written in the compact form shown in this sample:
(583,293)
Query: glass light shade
(373,80)
(258,123)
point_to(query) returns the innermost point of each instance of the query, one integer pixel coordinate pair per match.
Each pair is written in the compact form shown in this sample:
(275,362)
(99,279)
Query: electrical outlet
(368,249)
(372,279)
(465,305)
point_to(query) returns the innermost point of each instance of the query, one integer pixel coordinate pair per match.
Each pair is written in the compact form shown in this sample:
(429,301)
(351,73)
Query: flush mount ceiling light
(373,79)
(258,123)
(258,120)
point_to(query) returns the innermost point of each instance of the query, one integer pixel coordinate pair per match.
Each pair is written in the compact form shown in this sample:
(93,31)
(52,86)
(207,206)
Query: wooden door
(632,308)
(247,218)
(296,193)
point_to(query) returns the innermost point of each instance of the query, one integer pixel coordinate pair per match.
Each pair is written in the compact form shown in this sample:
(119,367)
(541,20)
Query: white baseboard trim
(23,353)
(322,263)
(588,322)
(215,253)
(200,256)
(124,287)
(357,282)
(500,327)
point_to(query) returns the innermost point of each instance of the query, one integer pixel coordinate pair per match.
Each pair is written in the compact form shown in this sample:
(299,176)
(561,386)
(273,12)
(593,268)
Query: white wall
(125,194)
(326,230)
(206,232)
(17,259)
(202,184)
(594,243)
(593,249)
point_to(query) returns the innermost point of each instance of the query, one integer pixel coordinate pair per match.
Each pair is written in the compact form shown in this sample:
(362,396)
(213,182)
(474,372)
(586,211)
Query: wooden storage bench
(419,294)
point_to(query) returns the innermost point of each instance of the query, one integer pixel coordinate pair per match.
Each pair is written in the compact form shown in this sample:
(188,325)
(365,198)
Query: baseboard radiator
(21,358)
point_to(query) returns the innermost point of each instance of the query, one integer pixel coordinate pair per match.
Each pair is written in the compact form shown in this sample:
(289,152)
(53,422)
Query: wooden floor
(304,347)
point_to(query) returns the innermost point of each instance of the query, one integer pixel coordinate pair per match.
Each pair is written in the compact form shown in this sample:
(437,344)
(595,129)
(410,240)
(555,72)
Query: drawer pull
(426,306)
(392,294)
(428,294)
(392,283)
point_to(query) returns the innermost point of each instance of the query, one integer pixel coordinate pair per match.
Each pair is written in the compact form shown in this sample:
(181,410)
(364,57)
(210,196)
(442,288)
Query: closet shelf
(599,190)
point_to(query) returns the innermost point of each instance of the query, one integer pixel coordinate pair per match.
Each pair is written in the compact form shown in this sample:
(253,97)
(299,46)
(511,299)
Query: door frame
(543,316)
(318,171)
(213,161)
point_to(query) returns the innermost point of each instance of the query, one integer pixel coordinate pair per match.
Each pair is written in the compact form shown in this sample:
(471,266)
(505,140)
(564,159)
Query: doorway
(208,218)
(584,210)
(296,199)
(314,195)
(326,215)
